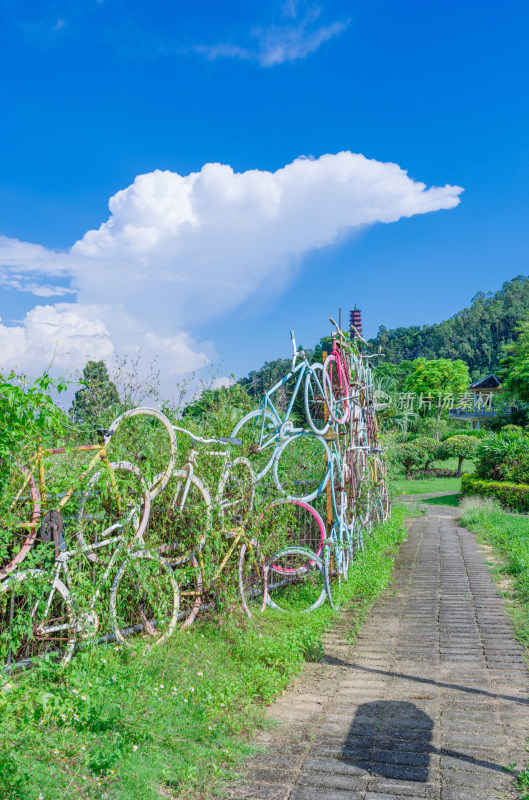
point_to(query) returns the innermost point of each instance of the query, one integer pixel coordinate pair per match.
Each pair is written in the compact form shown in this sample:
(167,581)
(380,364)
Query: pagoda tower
(355,322)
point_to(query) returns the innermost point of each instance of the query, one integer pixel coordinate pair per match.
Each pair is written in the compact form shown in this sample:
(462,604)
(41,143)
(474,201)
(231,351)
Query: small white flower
(83,697)
(134,747)
(200,674)
(83,747)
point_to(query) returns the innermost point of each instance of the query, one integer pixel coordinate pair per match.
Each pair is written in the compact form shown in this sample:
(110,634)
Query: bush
(430,447)
(408,456)
(512,495)
(504,457)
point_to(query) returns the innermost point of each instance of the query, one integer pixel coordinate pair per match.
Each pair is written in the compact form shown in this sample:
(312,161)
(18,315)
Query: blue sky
(96,93)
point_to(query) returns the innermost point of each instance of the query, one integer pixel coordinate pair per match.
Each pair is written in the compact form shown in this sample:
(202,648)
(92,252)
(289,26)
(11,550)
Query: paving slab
(430,702)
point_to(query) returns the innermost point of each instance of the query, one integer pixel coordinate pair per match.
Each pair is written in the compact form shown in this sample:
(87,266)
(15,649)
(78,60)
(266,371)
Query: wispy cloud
(297,33)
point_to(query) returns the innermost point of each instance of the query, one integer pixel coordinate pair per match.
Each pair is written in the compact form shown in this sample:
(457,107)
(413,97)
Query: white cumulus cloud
(67,333)
(179,250)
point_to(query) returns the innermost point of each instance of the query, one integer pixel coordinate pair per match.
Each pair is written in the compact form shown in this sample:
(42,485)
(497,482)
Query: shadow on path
(394,733)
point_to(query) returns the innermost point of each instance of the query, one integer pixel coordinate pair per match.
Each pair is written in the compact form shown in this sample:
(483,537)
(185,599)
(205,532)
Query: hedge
(512,495)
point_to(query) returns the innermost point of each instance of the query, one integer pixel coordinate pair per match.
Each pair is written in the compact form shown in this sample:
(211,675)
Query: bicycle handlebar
(352,328)
(221,440)
(296,352)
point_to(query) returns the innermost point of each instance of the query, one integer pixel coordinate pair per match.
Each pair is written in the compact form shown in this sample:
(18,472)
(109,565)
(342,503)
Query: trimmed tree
(461,447)
(408,456)
(430,448)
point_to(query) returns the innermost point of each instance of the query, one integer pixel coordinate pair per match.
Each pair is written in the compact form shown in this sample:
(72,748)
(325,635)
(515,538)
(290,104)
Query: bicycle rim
(236,494)
(37,620)
(315,402)
(296,581)
(148,435)
(302,467)
(144,599)
(253,578)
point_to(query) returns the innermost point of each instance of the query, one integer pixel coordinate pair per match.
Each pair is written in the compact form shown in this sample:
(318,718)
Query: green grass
(426,485)
(509,535)
(139,724)
(446,500)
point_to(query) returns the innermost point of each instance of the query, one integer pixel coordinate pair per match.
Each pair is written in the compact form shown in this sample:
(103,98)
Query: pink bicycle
(336,379)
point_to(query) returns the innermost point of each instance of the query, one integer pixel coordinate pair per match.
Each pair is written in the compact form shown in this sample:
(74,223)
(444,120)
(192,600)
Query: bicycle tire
(336,388)
(302,588)
(148,598)
(30,508)
(236,493)
(298,523)
(302,467)
(332,573)
(160,481)
(250,430)
(189,519)
(315,401)
(253,578)
(43,620)
(99,515)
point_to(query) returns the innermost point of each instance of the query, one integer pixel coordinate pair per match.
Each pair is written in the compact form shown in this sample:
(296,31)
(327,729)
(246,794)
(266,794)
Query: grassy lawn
(426,485)
(138,724)
(509,536)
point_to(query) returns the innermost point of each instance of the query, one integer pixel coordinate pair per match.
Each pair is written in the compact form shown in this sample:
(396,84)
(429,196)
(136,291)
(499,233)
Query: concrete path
(430,701)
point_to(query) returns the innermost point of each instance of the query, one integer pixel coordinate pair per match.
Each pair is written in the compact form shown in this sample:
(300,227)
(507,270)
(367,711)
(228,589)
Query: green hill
(475,334)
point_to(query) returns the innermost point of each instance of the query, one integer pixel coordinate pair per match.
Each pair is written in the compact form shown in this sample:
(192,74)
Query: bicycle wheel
(315,402)
(296,580)
(333,568)
(236,493)
(336,389)
(302,466)
(144,598)
(183,520)
(150,439)
(252,578)
(259,433)
(20,521)
(37,620)
(286,523)
(115,500)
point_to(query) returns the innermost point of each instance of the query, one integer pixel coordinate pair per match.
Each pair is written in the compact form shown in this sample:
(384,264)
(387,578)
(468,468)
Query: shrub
(512,495)
(408,456)
(430,447)
(504,457)
(461,447)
